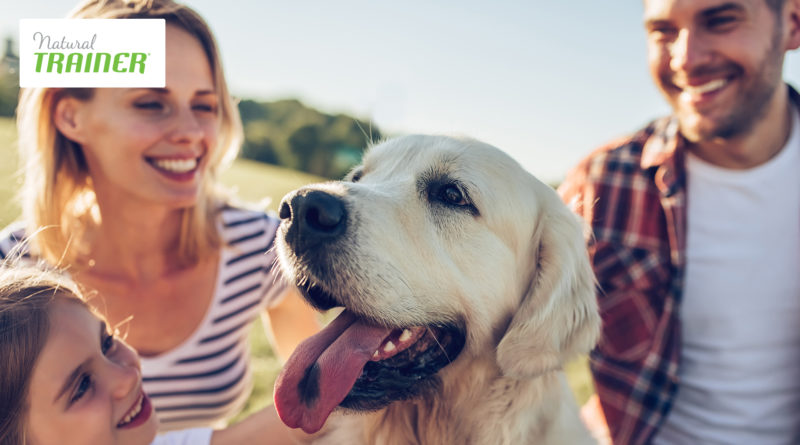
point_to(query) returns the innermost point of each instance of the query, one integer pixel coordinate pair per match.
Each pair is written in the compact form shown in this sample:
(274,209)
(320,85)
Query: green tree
(290,134)
(9,93)
(304,142)
(9,79)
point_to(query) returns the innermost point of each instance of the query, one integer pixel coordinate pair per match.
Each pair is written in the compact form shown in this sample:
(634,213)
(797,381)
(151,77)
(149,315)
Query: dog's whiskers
(399,277)
(274,266)
(439,344)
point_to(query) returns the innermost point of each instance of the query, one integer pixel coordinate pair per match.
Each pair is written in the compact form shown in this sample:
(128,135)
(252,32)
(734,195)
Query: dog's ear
(558,317)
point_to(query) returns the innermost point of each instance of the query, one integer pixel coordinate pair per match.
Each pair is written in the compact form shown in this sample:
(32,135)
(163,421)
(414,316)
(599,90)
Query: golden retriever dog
(466,286)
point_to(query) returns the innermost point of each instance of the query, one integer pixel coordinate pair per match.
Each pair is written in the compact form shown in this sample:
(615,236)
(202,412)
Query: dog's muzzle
(313,222)
(356,362)
(313,218)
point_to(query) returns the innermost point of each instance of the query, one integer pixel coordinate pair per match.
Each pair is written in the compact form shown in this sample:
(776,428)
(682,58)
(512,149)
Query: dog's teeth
(405,335)
(375,354)
(389,346)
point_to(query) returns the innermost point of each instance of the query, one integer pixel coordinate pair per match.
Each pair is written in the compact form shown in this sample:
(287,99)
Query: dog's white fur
(515,274)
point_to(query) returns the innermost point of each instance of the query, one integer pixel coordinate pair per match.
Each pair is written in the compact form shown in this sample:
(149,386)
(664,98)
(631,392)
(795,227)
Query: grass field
(253,182)
(8,172)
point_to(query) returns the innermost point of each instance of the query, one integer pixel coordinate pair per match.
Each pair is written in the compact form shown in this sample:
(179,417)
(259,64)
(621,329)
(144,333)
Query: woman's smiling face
(86,385)
(150,145)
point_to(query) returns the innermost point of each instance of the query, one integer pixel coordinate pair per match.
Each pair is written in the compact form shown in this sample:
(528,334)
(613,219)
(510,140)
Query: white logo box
(92,53)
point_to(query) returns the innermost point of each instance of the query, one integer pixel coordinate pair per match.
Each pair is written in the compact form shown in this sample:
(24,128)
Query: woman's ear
(67,118)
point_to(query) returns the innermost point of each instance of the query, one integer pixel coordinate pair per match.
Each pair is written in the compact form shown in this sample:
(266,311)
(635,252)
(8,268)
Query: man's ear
(791,16)
(67,118)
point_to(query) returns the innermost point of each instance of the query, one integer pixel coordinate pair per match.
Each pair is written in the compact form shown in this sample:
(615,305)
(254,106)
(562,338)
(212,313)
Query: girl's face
(86,385)
(150,145)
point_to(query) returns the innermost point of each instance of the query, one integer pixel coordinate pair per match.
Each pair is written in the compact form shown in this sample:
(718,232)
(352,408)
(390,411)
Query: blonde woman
(121,188)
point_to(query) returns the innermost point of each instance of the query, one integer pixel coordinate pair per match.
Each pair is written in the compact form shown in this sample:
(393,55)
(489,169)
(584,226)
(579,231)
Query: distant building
(9,64)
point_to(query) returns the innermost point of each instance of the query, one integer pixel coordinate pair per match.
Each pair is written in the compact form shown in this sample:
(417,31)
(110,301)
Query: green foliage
(9,91)
(288,133)
(9,79)
(9,176)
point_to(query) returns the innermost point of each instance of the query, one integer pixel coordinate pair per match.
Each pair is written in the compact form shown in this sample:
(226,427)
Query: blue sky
(545,81)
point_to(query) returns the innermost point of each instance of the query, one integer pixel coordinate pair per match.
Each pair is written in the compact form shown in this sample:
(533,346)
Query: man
(696,235)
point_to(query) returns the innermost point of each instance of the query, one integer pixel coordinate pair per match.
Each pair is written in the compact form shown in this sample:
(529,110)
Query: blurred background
(545,81)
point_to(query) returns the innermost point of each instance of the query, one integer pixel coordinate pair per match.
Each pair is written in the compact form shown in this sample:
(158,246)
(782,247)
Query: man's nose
(687,51)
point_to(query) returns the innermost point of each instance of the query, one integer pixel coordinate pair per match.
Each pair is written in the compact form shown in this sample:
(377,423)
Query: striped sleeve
(638,272)
(250,237)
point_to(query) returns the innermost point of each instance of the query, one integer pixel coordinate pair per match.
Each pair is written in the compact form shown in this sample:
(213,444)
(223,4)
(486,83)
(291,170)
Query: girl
(65,378)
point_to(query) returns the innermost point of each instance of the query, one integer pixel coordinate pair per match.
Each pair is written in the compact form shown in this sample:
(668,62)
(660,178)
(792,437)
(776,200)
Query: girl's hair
(26,294)
(57,191)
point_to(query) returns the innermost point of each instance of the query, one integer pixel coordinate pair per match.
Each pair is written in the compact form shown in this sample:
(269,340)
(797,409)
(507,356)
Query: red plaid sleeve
(635,363)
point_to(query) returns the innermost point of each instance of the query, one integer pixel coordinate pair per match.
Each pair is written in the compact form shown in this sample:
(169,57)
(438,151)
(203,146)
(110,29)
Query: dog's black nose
(314,217)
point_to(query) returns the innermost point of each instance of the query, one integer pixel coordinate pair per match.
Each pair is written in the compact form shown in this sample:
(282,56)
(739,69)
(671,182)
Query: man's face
(717,62)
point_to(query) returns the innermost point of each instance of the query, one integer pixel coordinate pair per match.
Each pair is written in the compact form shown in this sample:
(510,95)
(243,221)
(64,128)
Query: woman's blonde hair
(57,192)
(26,295)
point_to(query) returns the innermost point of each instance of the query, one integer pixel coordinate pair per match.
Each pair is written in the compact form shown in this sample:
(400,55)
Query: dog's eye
(356,175)
(450,194)
(453,195)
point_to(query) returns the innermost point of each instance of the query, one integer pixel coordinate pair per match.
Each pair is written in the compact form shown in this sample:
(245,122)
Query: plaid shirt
(633,193)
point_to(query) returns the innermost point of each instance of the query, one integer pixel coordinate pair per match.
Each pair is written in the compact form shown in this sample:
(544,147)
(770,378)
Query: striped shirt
(633,193)
(207,378)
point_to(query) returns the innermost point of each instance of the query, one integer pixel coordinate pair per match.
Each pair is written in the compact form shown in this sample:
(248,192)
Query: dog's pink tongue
(321,371)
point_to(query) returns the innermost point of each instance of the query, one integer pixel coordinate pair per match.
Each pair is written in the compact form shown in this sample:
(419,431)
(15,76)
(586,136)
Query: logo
(92,53)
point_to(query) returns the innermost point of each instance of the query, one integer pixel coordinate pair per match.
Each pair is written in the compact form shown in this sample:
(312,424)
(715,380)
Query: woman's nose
(188,128)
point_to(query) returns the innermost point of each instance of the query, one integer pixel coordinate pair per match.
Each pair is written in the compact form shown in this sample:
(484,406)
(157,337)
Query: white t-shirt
(740,311)
(196,436)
